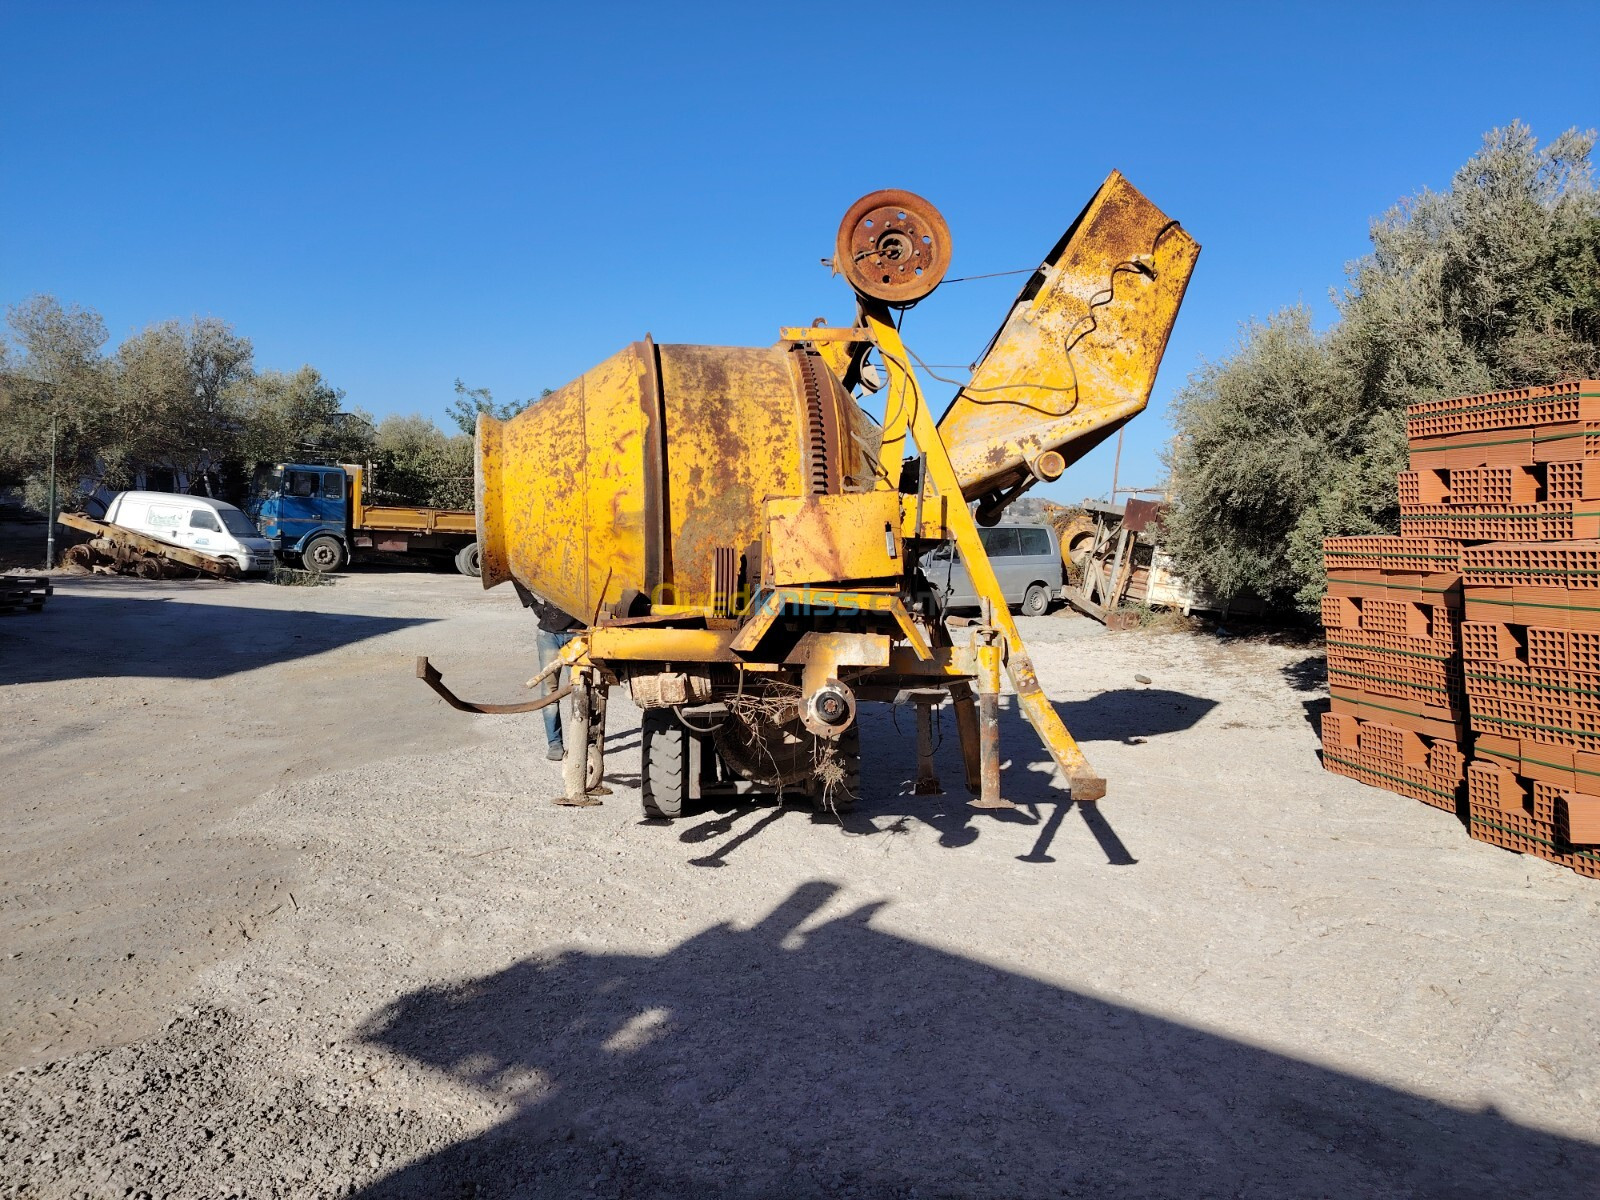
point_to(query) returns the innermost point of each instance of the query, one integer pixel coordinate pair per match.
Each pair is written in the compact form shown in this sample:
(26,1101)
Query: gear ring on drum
(893,246)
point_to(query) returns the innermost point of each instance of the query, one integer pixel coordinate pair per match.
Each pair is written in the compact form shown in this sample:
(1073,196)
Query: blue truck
(317,515)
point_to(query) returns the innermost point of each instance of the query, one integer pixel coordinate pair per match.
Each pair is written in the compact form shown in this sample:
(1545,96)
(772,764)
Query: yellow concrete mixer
(743,542)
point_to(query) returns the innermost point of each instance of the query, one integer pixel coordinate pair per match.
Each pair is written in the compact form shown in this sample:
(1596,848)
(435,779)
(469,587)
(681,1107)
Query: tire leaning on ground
(323,553)
(1035,601)
(468,560)
(665,755)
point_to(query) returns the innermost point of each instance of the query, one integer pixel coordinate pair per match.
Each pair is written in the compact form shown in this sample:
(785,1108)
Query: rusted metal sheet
(1141,514)
(826,539)
(1077,356)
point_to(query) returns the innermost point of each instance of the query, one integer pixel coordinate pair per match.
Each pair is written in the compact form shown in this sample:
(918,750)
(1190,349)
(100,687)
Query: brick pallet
(1394,666)
(1464,655)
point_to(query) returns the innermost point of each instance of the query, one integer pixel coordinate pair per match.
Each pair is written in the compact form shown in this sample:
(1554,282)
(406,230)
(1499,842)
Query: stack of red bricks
(1393,617)
(1464,655)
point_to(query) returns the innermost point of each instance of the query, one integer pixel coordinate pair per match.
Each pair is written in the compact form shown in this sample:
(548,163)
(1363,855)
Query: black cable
(992,275)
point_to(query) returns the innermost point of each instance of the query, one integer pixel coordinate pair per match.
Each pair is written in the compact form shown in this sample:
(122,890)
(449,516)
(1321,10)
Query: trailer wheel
(468,560)
(665,755)
(1035,601)
(323,553)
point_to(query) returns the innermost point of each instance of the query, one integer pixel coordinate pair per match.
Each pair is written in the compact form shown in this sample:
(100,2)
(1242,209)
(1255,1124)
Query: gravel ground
(279,923)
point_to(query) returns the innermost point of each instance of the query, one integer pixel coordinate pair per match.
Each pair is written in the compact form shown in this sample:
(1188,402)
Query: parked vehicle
(198,523)
(319,515)
(1026,558)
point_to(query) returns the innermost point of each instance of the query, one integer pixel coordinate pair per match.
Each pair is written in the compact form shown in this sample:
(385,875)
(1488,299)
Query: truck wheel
(1035,601)
(467,560)
(665,755)
(323,553)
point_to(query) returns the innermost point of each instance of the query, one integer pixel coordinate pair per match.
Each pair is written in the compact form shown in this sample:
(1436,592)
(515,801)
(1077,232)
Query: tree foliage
(1296,436)
(172,396)
(471,403)
(415,462)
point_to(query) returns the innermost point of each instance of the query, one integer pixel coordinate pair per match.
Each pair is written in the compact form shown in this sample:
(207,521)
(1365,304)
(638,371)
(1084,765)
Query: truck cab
(305,512)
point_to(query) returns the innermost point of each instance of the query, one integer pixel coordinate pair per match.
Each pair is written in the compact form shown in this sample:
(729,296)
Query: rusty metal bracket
(430,676)
(820,333)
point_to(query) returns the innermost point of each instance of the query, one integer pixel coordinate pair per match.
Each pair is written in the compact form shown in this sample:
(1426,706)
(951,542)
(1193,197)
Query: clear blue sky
(401,194)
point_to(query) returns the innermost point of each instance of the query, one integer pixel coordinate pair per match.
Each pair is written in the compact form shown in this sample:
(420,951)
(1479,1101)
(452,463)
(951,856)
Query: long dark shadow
(128,631)
(846,1060)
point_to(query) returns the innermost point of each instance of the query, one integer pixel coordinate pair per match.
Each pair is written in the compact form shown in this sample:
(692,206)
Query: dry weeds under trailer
(743,541)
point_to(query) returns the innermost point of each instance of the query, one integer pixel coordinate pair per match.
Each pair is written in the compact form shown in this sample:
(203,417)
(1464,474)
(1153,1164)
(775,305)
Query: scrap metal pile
(1464,655)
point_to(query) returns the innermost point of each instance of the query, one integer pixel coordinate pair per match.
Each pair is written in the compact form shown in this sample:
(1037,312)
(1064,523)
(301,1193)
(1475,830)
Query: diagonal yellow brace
(914,417)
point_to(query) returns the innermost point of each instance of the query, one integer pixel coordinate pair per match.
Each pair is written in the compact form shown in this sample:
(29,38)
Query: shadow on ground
(887,808)
(128,629)
(1310,674)
(842,1060)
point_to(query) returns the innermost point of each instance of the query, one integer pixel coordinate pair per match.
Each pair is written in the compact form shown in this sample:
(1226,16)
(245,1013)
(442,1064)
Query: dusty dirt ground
(277,922)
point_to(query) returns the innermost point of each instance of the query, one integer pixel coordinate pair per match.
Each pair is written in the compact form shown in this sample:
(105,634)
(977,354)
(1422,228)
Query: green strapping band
(1377,650)
(1421,687)
(1538,604)
(1525,402)
(1536,725)
(1535,440)
(1558,767)
(1536,572)
(1344,762)
(1532,837)
(1405,712)
(1547,687)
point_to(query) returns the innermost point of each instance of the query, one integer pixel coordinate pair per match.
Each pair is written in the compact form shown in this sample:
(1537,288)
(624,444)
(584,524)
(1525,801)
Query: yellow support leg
(1035,705)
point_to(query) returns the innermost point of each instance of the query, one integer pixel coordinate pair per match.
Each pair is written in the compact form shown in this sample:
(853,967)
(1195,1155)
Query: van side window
(333,486)
(1035,541)
(999,543)
(302,483)
(202,518)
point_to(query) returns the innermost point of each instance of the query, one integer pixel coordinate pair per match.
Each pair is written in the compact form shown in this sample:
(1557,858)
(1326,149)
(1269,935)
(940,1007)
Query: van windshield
(236,523)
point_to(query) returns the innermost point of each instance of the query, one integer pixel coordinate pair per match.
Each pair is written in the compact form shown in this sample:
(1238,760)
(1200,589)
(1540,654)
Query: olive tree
(1297,435)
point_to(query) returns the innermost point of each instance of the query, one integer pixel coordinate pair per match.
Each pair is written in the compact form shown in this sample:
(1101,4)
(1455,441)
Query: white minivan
(196,523)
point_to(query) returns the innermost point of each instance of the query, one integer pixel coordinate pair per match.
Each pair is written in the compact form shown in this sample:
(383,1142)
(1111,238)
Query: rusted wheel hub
(893,246)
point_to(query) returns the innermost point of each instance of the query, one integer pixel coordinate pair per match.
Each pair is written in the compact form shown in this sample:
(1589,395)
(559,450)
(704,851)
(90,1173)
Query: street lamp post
(50,514)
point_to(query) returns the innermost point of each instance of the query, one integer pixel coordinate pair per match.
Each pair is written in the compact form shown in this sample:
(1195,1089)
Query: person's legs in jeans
(550,646)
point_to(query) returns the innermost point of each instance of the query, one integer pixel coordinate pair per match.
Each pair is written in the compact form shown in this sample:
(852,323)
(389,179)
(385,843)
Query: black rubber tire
(468,561)
(1036,600)
(323,553)
(665,760)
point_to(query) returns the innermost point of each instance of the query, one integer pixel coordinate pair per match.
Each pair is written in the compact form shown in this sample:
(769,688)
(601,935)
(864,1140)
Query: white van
(196,523)
(1026,559)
